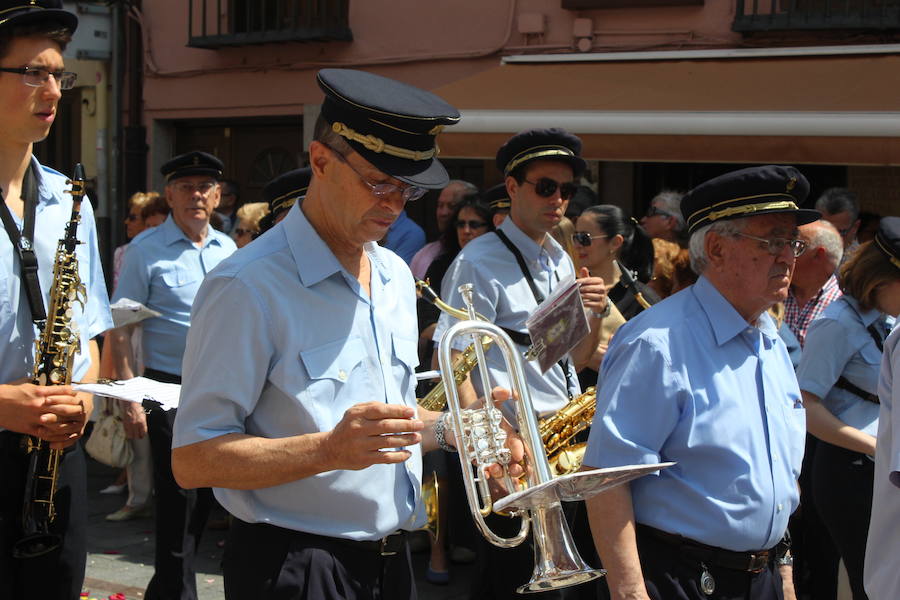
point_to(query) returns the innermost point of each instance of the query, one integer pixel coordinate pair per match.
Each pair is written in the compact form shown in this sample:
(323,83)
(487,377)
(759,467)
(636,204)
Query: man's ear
(319,156)
(714,244)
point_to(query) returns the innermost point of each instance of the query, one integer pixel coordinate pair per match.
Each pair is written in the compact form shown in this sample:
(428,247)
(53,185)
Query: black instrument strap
(517,336)
(876,337)
(845,385)
(23,242)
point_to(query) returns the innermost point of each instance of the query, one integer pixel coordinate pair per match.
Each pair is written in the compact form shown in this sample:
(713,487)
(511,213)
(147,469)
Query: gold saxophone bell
(558,430)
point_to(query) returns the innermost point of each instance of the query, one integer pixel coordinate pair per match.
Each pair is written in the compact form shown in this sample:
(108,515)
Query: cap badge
(791,183)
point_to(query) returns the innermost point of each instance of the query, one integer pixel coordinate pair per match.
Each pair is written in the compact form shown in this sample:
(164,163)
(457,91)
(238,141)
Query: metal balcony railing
(218,23)
(781,15)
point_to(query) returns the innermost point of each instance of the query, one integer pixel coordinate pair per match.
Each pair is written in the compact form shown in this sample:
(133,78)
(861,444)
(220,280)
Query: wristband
(439,428)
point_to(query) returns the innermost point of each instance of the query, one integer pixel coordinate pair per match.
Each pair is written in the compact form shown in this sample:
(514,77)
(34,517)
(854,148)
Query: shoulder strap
(538,296)
(23,244)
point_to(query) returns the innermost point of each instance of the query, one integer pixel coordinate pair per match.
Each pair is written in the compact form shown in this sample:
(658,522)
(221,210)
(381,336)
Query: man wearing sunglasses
(703,379)
(36,209)
(513,270)
(163,269)
(663,219)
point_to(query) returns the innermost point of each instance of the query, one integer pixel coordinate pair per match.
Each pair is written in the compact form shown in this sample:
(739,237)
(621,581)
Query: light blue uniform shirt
(163,270)
(17,332)
(405,237)
(501,293)
(882,575)
(284,340)
(837,343)
(690,381)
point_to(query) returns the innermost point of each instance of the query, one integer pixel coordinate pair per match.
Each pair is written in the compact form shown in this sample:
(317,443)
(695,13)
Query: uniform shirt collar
(172,233)
(866,316)
(725,321)
(45,193)
(531,251)
(314,259)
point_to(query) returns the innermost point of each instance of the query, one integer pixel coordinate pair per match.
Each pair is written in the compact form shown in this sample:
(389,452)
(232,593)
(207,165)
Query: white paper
(137,390)
(126,311)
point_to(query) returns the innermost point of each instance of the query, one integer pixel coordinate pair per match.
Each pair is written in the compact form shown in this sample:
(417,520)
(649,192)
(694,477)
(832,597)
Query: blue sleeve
(223,379)
(408,241)
(134,278)
(828,348)
(98,318)
(633,417)
(484,295)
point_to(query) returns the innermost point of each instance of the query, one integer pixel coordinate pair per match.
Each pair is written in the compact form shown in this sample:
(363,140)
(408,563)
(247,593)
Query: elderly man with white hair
(703,379)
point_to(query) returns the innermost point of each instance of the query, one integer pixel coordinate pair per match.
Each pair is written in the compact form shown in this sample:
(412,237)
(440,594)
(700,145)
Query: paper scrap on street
(137,390)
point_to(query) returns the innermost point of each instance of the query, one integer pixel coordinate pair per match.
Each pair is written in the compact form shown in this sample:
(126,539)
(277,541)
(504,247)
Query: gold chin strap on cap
(744,209)
(529,155)
(894,260)
(375,144)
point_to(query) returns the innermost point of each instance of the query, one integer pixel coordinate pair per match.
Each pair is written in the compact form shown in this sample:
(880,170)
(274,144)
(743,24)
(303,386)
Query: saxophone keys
(57,376)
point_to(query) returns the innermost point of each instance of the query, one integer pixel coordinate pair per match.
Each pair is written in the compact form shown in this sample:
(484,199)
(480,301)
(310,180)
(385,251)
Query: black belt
(752,562)
(390,545)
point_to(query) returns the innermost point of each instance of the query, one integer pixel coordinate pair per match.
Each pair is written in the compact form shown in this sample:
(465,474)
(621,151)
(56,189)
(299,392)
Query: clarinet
(55,351)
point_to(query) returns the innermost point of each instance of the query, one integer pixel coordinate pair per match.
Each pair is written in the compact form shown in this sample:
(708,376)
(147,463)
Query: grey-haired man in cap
(703,379)
(307,429)
(36,209)
(163,269)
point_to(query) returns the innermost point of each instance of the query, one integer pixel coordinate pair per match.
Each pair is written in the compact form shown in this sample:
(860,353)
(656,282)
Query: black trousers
(264,562)
(670,575)
(59,574)
(842,489)
(180,514)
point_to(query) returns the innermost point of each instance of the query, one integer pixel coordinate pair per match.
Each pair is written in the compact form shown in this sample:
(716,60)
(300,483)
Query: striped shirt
(799,317)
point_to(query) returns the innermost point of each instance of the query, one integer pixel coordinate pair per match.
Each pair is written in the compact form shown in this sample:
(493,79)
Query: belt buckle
(384,548)
(758,562)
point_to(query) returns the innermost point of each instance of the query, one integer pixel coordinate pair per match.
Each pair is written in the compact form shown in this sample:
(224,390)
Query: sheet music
(137,390)
(126,311)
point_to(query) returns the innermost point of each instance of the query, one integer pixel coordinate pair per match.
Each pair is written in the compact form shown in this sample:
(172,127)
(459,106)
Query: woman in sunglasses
(604,238)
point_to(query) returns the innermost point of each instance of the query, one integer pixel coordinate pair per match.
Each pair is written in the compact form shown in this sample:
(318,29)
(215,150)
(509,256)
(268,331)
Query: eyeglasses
(583,238)
(410,193)
(239,231)
(188,188)
(546,187)
(470,224)
(653,211)
(775,246)
(38,76)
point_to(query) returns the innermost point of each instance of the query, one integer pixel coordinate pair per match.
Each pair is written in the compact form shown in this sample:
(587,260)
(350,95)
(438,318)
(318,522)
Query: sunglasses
(461,224)
(546,187)
(653,211)
(239,231)
(583,238)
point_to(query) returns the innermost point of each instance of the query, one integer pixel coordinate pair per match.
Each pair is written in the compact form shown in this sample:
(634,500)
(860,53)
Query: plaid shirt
(798,319)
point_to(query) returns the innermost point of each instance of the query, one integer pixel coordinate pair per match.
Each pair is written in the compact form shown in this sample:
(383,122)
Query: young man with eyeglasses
(163,269)
(703,379)
(36,209)
(512,270)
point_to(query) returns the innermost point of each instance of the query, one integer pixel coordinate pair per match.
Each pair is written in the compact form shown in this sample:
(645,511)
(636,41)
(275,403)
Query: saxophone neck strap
(23,242)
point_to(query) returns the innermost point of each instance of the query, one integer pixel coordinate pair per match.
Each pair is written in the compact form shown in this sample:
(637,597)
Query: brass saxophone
(55,350)
(436,399)
(558,430)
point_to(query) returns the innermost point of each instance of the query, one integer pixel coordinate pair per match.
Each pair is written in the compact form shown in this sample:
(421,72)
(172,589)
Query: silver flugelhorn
(481,441)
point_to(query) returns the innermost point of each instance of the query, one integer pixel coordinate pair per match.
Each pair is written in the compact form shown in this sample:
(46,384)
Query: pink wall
(425,43)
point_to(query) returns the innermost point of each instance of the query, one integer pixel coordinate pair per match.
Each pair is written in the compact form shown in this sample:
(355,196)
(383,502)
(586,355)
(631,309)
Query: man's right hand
(372,433)
(134,419)
(51,413)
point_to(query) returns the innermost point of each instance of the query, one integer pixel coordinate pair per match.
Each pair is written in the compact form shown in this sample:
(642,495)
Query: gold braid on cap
(534,153)
(883,247)
(715,215)
(375,144)
(287,200)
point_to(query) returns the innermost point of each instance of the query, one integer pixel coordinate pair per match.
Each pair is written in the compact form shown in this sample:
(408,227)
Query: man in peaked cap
(498,200)
(323,484)
(36,208)
(708,365)
(513,269)
(282,193)
(163,269)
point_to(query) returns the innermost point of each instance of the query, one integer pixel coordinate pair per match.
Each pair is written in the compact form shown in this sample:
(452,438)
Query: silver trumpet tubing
(481,441)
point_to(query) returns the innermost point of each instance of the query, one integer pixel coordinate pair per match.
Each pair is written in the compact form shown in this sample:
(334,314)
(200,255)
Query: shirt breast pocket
(404,360)
(178,276)
(338,378)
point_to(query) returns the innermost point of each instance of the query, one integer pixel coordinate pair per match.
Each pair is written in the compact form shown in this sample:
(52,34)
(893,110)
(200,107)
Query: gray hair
(670,201)
(466,188)
(697,244)
(837,200)
(824,235)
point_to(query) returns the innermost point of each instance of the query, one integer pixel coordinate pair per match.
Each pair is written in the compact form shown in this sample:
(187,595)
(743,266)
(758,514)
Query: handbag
(108,443)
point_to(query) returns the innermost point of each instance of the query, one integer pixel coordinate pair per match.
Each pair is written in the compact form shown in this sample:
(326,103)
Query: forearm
(787,581)
(429,441)
(244,462)
(121,362)
(828,428)
(611,517)
(584,351)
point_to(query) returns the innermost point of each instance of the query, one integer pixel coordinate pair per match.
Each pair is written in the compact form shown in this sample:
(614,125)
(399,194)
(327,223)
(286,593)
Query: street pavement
(120,555)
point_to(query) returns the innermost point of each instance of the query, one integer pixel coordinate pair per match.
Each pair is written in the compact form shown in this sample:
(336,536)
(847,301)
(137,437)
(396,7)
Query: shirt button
(774,458)
(779,507)
(342,375)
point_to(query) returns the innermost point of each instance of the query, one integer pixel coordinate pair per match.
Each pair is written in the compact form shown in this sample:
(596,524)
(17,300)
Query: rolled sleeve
(632,422)
(134,278)
(829,346)
(217,400)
